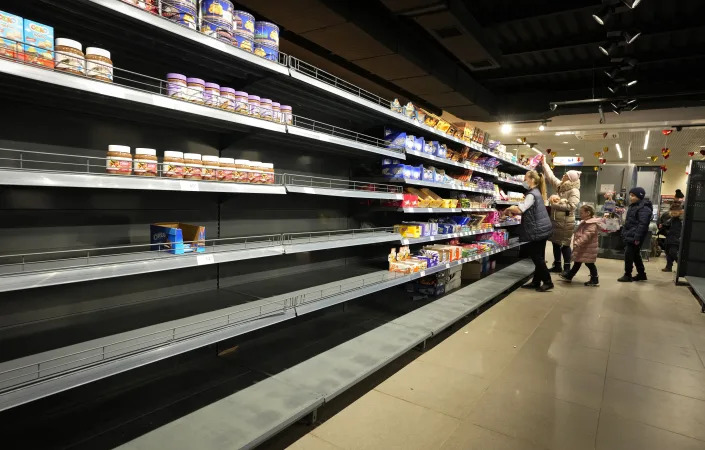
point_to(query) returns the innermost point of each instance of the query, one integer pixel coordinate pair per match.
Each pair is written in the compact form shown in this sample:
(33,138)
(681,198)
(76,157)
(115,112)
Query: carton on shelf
(178,238)
(11,28)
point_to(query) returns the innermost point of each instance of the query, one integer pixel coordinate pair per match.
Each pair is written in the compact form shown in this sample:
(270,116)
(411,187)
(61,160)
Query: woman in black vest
(535,228)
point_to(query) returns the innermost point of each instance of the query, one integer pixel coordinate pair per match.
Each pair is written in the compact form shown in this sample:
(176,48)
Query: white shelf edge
(452,187)
(448,162)
(303,132)
(343,192)
(443,237)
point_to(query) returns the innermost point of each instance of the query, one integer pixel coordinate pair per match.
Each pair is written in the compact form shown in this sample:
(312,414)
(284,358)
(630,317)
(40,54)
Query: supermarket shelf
(448,162)
(427,210)
(304,184)
(479,210)
(505,203)
(511,182)
(452,187)
(443,237)
(504,225)
(309,242)
(41,178)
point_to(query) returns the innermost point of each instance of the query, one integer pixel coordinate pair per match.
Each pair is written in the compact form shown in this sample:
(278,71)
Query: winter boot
(545,287)
(594,282)
(667,269)
(566,267)
(640,277)
(626,278)
(556,268)
(531,285)
(566,276)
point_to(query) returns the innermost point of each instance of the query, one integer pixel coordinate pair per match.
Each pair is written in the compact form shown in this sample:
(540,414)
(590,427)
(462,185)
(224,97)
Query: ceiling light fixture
(506,128)
(631,36)
(608,48)
(542,127)
(565,142)
(619,150)
(646,139)
(631,3)
(632,82)
(603,14)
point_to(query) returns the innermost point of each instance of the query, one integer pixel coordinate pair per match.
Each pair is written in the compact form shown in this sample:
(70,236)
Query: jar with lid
(211,164)
(255,174)
(119,160)
(195,90)
(241,105)
(212,95)
(276,112)
(225,169)
(265,106)
(268,173)
(286,114)
(176,85)
(193,166)
(241,174)
(227,98)
(69,57)
(98,64)
(173,166)
(253,105)
(145,162)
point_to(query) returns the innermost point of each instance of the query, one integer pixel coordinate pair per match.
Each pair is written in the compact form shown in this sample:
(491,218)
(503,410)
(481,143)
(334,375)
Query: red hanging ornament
(666,153)
(548,151)
(691,153)
(702,152)
(666,132)
(664,168)
(603,160)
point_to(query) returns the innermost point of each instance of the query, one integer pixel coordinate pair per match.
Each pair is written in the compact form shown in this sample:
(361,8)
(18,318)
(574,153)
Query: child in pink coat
(585,246)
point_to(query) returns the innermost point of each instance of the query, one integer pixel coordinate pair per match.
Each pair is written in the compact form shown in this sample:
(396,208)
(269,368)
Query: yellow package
(408,231)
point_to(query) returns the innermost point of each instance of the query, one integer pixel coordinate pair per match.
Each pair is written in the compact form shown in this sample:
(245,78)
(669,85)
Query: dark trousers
(559,250)
(671,254)
(632,257)
(537,253)
(577,265)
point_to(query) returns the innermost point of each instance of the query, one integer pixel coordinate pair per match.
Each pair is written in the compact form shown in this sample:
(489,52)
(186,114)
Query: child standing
(585,246)
(673,236)
(635,229)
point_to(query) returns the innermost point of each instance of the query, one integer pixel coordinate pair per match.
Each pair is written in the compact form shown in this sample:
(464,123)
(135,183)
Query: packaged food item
(244,24)
(11,28)
(225,170)
(266,33)
(39,44)
(266,51)
(266,112)
(408,231)
(187,20)
(145,162)
(177,238)
(193,166)
(268,173)
(218,30)
(119,160)
(148,5)
(276,112)
(217,11)
(241,172)
(210,167)
(195,90)
(396,106)
(173,166)
(176,86)
(241,102)
(255,173)
(211,95)
(410,111)
(98,64)
(176,8)
(69,57)
(287,115)
(243,42)
(253,105)
(227,98)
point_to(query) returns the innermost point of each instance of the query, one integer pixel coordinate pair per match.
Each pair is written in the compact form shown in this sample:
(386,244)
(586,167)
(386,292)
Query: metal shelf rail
(304,184)
(449,162)
(30,378)
(452,187)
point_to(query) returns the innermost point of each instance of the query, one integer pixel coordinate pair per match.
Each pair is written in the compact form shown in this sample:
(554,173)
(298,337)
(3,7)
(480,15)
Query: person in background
(585,246)
(634,231)
(673,236)
(610,205)
(535,228)
(679,197)
(563,206)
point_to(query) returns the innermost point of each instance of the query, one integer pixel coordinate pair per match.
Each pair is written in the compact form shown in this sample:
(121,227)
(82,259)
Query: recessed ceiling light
(577,154)
(572,149)
(506,128)
(565,142)
(646,139)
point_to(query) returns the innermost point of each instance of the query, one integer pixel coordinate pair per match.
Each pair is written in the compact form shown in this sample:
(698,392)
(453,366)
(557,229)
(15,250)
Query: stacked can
(267,40)
(244,30)
(217,19)
(183,12)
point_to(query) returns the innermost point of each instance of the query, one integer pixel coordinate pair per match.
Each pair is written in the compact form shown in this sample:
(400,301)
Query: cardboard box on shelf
(178,238)
(472,271)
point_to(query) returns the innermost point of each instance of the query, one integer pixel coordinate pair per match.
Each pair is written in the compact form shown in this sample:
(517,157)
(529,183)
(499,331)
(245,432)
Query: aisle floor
(614,367)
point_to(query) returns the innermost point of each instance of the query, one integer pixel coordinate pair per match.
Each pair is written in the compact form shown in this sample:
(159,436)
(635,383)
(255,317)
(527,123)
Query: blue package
(419,144)
(409,143)
(441,151)
(429,147)
(177,238)
(429,174)
(388,161)
(415,172)
(394,171)
(397,138)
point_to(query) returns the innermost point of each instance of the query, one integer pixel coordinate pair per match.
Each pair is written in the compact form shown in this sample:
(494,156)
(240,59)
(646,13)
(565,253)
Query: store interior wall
(675,178)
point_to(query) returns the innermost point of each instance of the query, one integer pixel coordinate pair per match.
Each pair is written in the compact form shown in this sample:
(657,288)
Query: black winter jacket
(637,222)
(673,237)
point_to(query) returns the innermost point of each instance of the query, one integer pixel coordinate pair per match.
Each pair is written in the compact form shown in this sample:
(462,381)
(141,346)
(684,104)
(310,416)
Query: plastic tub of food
(253,105)
(227,98)
(244,24)
(241,102)
(211,164)
(243,42)
(267,33)
(176,85)
(119,160)
(145,162)
(69,57)
(266,51)
(193,166)
(174,8)
(225,170)
(98,64)
(173,166)
(211,95)
(265,106)
(195,90)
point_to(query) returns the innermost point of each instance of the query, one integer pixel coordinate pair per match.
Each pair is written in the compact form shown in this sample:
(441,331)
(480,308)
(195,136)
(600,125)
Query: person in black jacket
(634,231)
(673,236)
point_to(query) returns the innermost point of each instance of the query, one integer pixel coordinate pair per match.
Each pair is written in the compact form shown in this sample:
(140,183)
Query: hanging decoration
(554,154)
(605,150)
(653,158)
(603,160)
(548,151)
(595,168)
(522,156)
(664,168)
(691,153)
(597,154)
(702,152)
(666,152)
(666,132)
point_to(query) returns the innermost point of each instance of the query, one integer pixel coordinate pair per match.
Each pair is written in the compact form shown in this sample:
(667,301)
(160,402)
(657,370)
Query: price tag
(308,190)
(189,186)
(423,273)
(205,259)
(447,266)
(429,209)
(400,196)
(405,241)
(324,137)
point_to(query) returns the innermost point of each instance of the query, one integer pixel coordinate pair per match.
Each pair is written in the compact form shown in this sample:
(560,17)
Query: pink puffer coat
(585,241)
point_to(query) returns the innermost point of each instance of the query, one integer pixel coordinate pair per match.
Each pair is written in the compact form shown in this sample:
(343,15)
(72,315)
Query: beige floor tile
(677,338)
(573,335)
(666,354)
(380,421)
(599,321)
(661,409)
(617,433)
(472,437)
(487,335)
(565,354)
(311,442)
(540,419)
(439,388)
(485,362)
(669,378)
(577,386)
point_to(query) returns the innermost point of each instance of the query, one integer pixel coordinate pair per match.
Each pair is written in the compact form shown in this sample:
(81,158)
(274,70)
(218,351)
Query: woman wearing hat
(563,206)
(634,231)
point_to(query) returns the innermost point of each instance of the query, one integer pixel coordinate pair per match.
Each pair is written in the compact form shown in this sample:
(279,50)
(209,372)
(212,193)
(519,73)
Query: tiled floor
(614,367)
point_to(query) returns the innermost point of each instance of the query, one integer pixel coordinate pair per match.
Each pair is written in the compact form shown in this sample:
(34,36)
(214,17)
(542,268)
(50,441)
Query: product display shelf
(479,210)
(325,240)
(443,237)
(448,162)
(427,210)
(452,187)
(304,184)
(506,224)
(511,182)
(505,203)
(39,375)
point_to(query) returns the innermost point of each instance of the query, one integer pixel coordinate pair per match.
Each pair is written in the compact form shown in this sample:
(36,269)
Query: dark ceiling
(498,59)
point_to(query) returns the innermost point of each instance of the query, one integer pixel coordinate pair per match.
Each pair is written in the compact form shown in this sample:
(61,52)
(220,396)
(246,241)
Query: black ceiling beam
(529,10)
